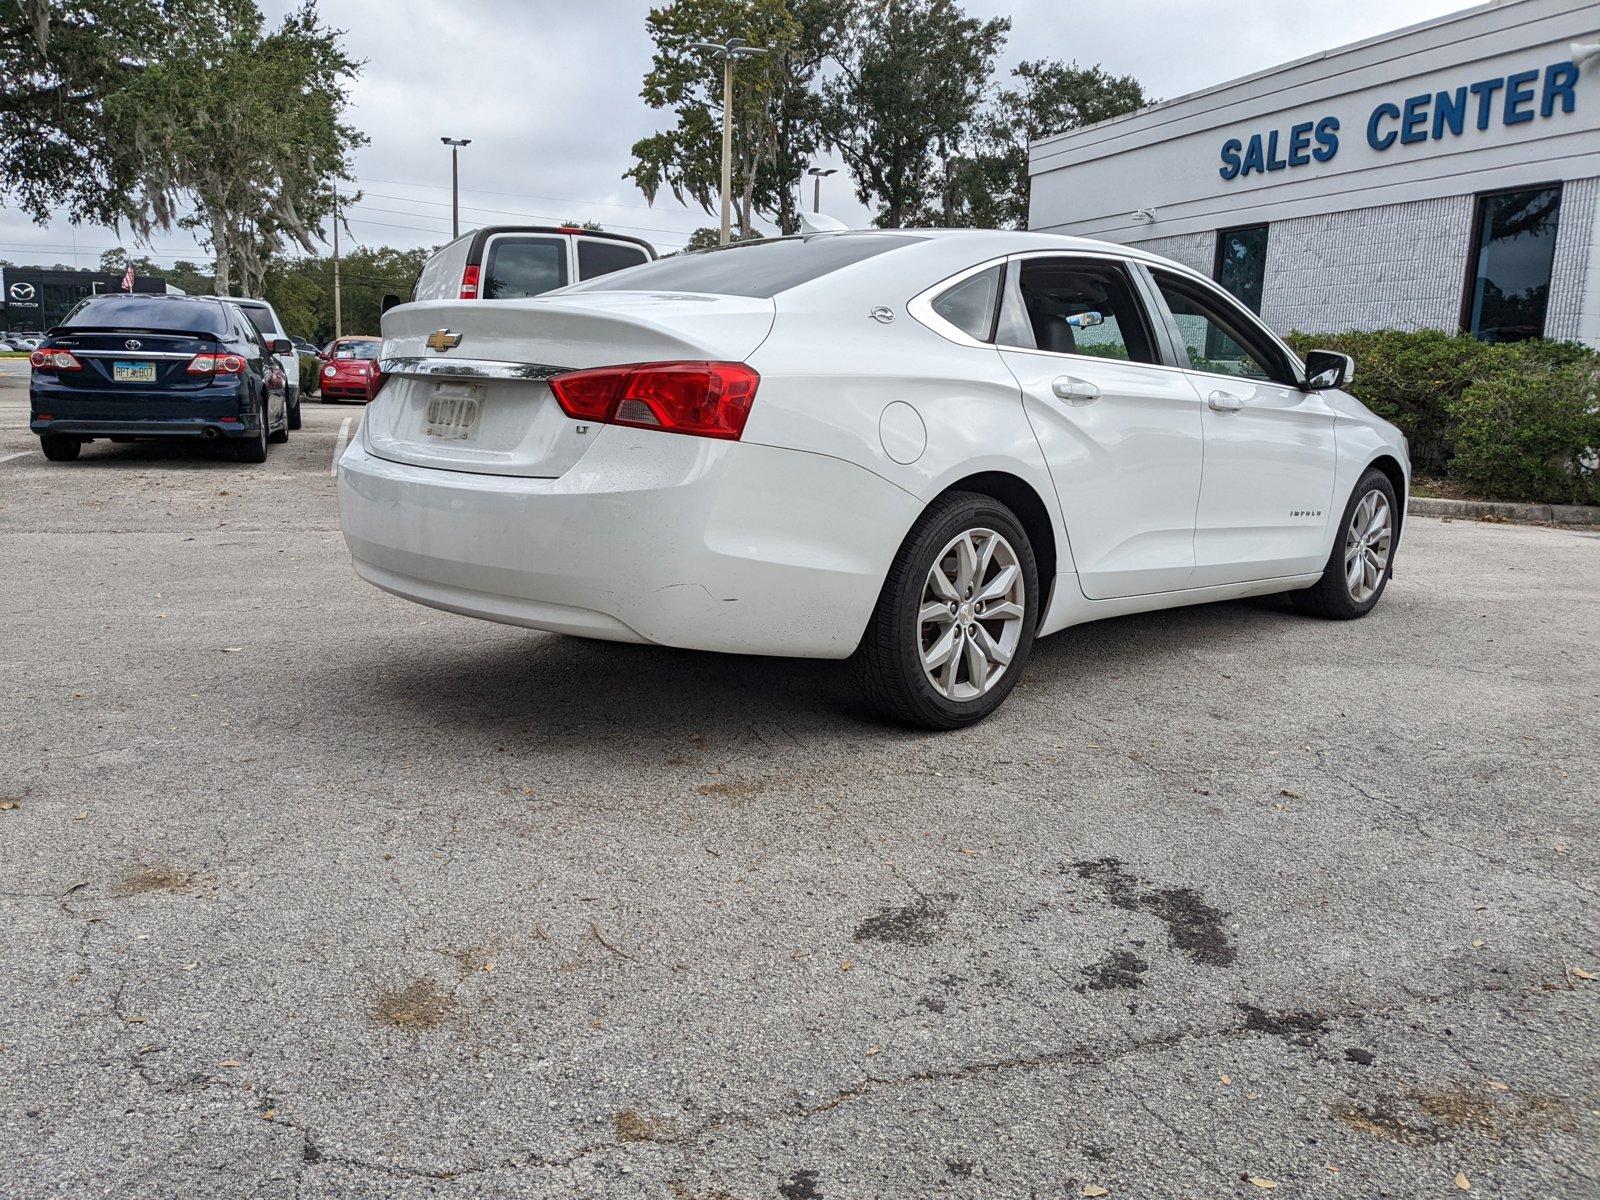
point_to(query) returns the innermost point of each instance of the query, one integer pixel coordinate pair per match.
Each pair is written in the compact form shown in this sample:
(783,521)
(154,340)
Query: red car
(349,369)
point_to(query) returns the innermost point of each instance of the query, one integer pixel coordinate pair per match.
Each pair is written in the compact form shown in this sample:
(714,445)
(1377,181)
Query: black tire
(253,449)
(59,447)
(1331,596)
(888,663)
(294,414)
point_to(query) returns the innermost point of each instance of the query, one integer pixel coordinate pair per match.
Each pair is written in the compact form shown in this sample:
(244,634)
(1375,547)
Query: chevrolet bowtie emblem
(442,340)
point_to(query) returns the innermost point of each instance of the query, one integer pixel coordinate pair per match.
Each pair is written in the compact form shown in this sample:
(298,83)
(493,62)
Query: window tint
(174,313)
(519,267)
(1079,307)
(597,258)
(969,305)
(1216,339)
(261,317)
(1242,264)
(441,275)
(758,269)
(1515,244)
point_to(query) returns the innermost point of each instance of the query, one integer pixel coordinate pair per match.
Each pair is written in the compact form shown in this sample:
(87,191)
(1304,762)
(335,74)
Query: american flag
(127,279)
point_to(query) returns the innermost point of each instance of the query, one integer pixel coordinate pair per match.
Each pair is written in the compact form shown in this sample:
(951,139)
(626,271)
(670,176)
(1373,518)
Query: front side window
(519,267)
(1514,245)
(1075,306)
(596,258)
(1219,341)
(970,304)
(1242,264)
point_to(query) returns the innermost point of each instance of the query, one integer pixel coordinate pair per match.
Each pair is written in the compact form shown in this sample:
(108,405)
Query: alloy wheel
(969,621)
(1366,545)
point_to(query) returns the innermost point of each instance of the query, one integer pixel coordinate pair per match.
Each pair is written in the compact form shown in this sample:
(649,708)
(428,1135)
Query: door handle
(1224,402)
(1068,387)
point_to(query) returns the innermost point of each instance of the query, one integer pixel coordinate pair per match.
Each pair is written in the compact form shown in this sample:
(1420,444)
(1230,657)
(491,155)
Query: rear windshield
(177,313)
(520,267)
(757,269)
(261,317)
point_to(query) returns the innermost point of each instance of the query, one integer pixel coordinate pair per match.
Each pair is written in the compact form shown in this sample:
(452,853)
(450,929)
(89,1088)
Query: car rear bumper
(192,427)
(651,537)
(212,411)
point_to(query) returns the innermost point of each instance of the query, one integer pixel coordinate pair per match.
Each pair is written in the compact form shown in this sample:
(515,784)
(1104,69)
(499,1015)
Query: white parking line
(338,447)
(5,458)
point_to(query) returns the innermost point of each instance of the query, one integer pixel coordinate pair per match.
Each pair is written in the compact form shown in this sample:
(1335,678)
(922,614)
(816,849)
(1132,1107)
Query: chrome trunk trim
(467,368)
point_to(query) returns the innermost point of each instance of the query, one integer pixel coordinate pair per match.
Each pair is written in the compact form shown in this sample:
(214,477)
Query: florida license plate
(453,412)
(133,372)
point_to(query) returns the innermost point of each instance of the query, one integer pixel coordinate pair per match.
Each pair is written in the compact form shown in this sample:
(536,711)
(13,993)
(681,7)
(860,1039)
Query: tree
(301,289)
(776,109)
(987,187)
(911,77)
(63,68)
(709,238)
(246,128)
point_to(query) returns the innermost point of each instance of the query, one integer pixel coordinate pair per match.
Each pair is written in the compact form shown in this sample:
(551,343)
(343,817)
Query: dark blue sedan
(127,367)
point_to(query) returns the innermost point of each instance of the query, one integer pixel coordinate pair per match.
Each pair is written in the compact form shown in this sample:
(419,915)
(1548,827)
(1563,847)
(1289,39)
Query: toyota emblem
(133,344)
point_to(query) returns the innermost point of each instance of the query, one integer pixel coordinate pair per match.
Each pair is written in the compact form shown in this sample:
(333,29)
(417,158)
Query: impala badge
(442,340)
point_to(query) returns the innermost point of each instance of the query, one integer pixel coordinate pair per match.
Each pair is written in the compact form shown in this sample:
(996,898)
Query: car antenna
(812,222)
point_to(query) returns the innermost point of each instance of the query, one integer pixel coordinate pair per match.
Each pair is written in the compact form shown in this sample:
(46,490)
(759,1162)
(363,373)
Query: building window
(1241,265)
(1508,281)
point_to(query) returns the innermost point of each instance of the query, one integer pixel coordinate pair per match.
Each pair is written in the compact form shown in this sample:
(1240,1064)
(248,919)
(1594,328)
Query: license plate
(133,372)
(453,412)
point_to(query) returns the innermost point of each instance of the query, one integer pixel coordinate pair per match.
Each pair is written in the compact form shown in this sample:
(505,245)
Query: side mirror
(1328,369)
(282,346)
(389,302)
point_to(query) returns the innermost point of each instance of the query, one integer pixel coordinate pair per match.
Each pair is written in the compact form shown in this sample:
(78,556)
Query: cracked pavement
(312,892)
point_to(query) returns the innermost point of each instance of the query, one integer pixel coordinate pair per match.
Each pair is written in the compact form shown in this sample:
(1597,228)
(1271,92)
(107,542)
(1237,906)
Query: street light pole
(338,305)
(726,53)
(455,145)
(817,174)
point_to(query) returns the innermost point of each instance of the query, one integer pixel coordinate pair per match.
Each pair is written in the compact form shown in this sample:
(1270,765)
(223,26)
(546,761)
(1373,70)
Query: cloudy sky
(548,91)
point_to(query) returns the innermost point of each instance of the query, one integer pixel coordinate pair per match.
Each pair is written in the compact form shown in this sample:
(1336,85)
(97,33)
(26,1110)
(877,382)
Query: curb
(1477,510)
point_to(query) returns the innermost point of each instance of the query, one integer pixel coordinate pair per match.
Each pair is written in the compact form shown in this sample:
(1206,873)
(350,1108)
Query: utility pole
(817,174)
(338,309)
(455,145)
(726,53)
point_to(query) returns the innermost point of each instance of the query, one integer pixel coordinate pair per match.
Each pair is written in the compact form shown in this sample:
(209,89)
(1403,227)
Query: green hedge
(1511,421)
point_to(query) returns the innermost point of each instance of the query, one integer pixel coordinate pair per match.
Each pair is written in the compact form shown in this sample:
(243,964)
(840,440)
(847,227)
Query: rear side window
(261,317)
(597,258)
(441,274)
(970,304)
(519,267)
(757,269)
(1077,306)
(177,314)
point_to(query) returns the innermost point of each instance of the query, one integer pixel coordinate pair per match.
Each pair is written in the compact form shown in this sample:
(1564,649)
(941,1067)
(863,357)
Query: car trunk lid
(121,360)
(466,383)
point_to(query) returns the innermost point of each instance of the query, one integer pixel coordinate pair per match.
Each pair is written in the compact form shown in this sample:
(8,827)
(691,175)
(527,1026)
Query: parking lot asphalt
(309,891)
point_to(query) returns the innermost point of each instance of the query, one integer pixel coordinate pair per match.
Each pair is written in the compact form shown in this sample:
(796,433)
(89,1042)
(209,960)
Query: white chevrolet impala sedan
(917,449)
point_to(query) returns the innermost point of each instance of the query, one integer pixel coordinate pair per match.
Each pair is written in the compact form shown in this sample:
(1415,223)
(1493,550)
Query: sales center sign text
(1515,99)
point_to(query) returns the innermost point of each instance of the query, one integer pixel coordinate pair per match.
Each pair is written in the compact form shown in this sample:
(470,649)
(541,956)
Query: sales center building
(1445,176)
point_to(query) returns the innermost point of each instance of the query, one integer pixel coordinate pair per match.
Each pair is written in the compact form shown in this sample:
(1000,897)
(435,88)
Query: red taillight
(54,360)
(469,284)
(706,399)
(207,363)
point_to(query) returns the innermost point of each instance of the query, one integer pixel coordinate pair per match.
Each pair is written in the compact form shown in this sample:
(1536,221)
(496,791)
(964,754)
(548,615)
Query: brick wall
(1571,314)
(1404,266)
